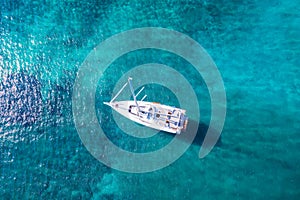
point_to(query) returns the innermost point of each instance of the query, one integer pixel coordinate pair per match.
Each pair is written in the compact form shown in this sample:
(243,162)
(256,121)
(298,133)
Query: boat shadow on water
(201,133)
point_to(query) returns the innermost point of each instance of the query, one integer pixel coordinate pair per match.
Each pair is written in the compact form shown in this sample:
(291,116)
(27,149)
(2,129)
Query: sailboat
(151,114)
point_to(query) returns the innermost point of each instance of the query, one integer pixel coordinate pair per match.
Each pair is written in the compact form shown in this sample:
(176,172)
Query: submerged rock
(107,188)
(20,99)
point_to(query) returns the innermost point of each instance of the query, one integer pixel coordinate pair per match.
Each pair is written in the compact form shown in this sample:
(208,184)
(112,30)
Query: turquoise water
(256,46)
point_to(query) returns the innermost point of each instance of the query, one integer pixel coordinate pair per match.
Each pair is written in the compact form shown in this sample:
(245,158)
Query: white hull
(153,115)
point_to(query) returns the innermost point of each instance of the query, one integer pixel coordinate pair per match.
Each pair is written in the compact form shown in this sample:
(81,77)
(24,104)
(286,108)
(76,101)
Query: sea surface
(256,47)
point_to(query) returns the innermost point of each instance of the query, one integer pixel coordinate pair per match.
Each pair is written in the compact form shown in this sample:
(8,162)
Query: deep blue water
(256,46)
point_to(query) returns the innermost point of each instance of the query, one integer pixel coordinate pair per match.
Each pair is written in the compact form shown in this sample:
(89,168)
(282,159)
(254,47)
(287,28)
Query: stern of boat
(183,123)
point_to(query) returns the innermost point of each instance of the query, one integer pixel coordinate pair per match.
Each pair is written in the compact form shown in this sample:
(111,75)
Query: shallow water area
(255,46)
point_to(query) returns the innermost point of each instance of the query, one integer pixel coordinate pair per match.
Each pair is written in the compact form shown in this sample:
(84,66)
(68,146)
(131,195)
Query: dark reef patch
(20,99)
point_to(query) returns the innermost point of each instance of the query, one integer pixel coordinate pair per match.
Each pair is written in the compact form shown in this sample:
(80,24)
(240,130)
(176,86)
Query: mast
(132,92)
(118,93)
